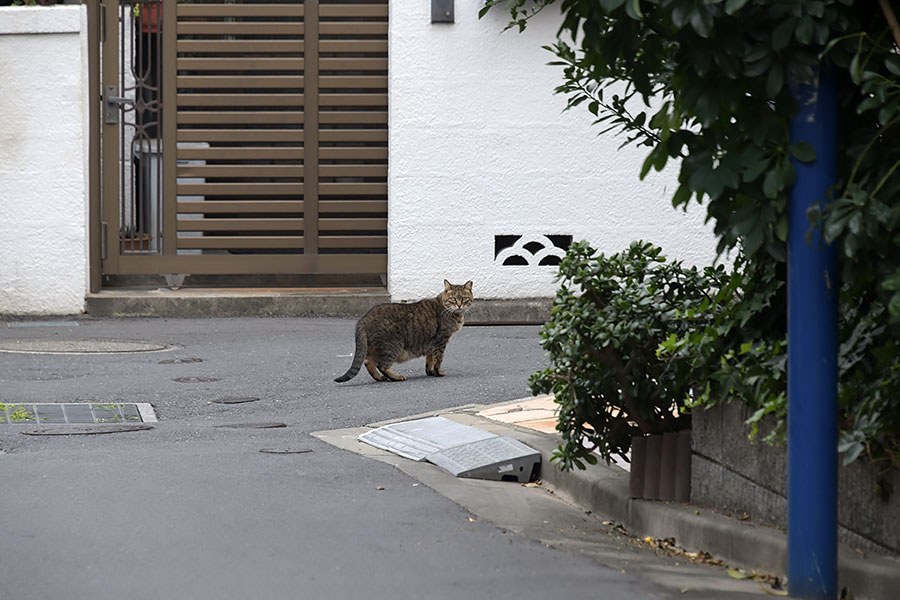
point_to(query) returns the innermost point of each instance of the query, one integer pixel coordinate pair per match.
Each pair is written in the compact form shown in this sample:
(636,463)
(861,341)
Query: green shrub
(608,319)
(636,342)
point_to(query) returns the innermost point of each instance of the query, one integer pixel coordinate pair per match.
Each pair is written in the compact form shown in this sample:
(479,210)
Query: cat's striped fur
(394,333)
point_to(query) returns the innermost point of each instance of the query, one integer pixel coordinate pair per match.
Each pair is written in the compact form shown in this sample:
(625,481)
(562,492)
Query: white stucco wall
(43,154)
(479,146)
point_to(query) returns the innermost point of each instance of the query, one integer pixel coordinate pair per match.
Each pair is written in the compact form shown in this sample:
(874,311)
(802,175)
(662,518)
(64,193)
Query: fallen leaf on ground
(772,592)
(738,574)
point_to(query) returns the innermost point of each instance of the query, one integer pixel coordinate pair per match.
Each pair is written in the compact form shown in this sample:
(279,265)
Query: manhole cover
(88,429)
(49,413)
(285,450)
(79,346)
(253,425)
(234,400)
(195,379)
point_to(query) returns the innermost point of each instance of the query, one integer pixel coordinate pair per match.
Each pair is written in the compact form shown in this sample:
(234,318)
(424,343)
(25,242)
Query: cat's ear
(447,286)
(468,285)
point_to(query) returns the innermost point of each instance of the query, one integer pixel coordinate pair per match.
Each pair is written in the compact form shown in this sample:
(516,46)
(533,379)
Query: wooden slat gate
(243,137)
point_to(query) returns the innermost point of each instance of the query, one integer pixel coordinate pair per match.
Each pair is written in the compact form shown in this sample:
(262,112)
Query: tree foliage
(707,84)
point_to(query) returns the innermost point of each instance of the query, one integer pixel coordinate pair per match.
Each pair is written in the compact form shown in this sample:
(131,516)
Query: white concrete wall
(479,146)
(43,160)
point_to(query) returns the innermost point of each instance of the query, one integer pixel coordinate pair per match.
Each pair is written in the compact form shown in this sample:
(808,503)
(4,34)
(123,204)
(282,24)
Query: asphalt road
(190,510)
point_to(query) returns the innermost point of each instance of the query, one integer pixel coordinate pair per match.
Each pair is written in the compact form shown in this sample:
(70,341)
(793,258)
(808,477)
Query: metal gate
(242,137)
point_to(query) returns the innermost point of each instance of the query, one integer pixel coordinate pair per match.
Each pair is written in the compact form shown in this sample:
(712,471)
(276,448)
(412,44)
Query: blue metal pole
(812,354)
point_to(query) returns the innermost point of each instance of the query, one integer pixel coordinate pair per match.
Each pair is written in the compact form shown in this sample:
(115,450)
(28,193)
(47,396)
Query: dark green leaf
(781,36)
(702,22)
(892,282)
(834,227)
(867,104)
(682,196)
(892,62)
(732,6)
(681,14)
(805,29)
(633,10)
(760,66)
(887,112)
(803,152)
(648,163)
(611,5)
(755,168)
(728,176)
(894,305)
(781,228)
(773,183)
(856,69)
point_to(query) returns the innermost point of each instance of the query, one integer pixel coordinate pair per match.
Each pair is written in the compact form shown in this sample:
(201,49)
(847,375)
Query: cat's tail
(358,356)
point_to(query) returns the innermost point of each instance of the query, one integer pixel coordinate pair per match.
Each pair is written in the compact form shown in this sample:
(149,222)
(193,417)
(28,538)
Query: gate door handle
(112,103)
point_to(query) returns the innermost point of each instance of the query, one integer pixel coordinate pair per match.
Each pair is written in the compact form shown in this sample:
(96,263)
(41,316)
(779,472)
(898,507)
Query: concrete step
(288,302)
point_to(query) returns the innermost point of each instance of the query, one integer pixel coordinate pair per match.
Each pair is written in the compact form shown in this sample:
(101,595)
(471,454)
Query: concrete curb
(200,304)
(250,303)
(604,490)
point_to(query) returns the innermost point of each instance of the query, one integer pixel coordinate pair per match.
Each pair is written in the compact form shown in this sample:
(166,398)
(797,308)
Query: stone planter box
(661,466)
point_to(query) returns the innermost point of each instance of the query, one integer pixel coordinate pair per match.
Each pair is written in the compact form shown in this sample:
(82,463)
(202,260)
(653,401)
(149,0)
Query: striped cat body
(394,333)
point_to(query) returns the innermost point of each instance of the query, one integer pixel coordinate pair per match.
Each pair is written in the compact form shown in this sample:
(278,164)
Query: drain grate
(55,413)
(42,324)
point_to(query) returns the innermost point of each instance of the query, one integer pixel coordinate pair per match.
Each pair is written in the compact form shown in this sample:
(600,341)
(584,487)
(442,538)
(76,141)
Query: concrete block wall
(43,160)
(733,475)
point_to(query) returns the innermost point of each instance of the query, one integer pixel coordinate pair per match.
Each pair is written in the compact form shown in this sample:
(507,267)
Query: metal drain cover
(89,429)
(234,400)
(48,413)
(180,361)
(79,346)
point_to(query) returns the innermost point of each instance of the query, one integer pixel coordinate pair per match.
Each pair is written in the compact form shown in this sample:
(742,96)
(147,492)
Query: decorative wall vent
(543,250)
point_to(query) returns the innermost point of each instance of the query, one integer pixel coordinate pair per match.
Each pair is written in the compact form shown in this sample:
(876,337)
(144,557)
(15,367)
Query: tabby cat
(391,333)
